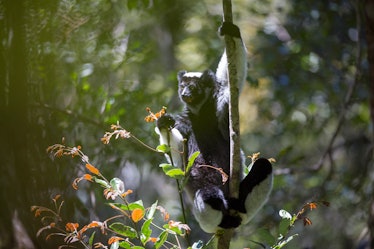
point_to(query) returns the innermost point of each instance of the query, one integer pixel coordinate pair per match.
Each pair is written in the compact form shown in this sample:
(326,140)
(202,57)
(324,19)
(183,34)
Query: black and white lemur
(204,124)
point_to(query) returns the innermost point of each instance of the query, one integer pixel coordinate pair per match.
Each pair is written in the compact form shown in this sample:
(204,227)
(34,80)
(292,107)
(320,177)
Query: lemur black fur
(204,124)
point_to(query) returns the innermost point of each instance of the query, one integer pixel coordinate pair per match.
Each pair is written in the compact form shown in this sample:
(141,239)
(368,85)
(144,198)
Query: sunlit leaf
(92,169)
(172,171)
(191,160)
(137,214)
(124,244)
(164,148)
(114,239)
(146,231)
(177,227)
(152,210)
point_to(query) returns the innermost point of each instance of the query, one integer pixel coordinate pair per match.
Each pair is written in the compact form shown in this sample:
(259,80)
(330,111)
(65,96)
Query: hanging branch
(235,163)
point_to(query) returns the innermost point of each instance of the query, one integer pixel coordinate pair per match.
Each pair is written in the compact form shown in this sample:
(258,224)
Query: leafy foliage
(138,234)
(73,68)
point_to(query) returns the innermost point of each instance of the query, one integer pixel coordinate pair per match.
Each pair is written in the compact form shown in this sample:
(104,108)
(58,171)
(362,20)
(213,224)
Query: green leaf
(101,182)
(152,210)
(164,148)
(146,231)
(125,244)
(284,242)
(175,173)
(191,160)
(172,171)
(90,241)
(265,236)
(117,184)
(161,239)
(173,230)
(136,204)
(166,165)
(123,230)
(284,226)
(130,206)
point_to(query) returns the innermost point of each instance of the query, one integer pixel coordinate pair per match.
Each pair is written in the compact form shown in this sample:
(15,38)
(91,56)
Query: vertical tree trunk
(369,14)
(235,161)
(14,125)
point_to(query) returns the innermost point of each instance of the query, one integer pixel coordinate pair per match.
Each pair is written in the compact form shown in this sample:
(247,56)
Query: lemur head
(195,88)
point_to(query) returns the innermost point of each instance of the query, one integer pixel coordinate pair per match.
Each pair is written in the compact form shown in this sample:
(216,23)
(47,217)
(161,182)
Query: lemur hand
(166,121)
(228,28)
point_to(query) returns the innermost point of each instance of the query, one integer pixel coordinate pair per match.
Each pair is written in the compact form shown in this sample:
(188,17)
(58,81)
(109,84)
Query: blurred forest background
(71,68)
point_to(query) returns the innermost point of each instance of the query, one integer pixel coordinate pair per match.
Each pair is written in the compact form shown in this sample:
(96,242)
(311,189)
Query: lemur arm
(169,135)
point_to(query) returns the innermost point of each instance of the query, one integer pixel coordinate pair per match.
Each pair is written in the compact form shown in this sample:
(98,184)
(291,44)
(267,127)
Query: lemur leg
(255,189)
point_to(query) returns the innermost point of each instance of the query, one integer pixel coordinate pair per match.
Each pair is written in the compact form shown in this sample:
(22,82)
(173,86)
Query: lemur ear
(208,78)
(180,75)
(208,74)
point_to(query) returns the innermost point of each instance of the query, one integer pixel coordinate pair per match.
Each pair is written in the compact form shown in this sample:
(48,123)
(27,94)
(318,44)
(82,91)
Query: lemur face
(194,88)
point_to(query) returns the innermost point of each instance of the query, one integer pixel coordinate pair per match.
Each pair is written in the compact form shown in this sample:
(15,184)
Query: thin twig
(348,96)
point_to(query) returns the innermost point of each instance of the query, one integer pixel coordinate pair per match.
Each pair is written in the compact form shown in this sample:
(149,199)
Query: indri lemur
(204,123)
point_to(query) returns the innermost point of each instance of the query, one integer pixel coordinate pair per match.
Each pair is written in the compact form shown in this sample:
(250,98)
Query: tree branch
(348,96)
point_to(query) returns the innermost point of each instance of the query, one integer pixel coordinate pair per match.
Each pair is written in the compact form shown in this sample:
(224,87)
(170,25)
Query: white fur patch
(257,198)
(193,74)
(208,218)
(174,140)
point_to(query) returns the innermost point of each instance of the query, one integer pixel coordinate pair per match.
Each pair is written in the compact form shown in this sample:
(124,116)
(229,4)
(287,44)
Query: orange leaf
(137,214)
(56,197)
(87,177)
(307,221)
(129,191)
(37,212)
(92,169)
(153,239)
(312,205)
(71,227)
(95,224)
(114,239)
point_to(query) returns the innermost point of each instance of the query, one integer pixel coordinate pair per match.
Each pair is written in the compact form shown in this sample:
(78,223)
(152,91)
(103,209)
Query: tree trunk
(369,14)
